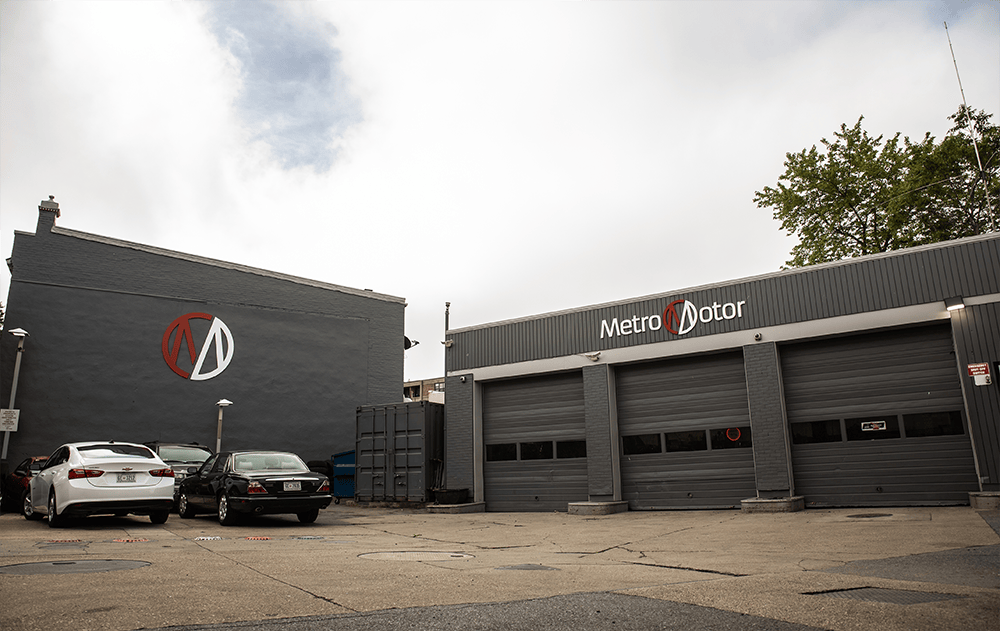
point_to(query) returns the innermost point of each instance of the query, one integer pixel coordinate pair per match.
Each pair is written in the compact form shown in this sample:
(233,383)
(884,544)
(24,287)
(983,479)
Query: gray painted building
(849,383)
(136,343)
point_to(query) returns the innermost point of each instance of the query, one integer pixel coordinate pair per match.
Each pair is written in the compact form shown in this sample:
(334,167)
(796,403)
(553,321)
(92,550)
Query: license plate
(293,486)
(126,477)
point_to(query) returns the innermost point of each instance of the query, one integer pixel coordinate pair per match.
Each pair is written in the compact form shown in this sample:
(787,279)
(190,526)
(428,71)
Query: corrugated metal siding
(399,451)
(695,393)
(892,372)
(535,485)
(977,337)
(549,407)
(908,277)
(546,408)
(891,472)
(908,370)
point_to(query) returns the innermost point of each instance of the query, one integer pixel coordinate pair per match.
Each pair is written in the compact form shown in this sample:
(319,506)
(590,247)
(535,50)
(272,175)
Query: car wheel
(184,508)
(227,516)
(309,516)
(159,517)
(55,520)
(26,508)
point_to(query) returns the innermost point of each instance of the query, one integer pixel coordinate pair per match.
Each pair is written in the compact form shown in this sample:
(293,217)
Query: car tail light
(76,474)
(162,473)
(325,487)
(256,487)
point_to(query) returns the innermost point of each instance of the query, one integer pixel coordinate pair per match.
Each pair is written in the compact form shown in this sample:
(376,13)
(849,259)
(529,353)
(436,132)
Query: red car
(16,482)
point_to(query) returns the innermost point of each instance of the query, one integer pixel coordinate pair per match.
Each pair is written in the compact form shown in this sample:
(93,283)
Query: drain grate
(528,566)
(881,595)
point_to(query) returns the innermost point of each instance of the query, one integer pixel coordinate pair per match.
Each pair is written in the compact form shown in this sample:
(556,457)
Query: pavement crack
(686,569)
(274,578)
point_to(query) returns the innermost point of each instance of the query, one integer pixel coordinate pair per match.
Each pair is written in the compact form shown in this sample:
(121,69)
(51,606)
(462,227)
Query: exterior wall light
(955,303)
(222,403)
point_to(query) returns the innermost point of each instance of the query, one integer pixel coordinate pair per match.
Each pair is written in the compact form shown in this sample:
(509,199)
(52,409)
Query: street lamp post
(20,334)
(222,403)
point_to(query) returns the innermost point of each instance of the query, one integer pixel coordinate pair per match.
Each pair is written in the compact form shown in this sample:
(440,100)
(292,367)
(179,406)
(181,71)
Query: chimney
(48,210)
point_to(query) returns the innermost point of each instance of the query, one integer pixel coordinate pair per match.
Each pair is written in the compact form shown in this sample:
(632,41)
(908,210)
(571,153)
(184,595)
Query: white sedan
(107,477)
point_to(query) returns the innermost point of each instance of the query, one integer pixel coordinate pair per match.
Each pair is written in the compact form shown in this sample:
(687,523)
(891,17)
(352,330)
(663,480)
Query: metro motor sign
(679,317)
(217,347)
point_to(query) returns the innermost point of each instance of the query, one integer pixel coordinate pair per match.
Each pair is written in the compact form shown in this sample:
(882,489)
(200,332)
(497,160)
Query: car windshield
(286,463)
(187,455)
(115,451)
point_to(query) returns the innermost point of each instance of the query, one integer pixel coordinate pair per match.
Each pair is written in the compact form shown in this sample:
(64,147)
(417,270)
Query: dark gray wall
(459,444)
(305,355)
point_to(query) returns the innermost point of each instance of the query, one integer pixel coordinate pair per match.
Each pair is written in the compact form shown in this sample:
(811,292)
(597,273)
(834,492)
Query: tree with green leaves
(862,194)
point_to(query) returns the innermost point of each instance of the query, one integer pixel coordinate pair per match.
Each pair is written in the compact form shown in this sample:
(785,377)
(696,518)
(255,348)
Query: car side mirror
(192,470)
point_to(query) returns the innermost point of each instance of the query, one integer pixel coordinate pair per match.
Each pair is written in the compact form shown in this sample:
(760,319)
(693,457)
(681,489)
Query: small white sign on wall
(8,420)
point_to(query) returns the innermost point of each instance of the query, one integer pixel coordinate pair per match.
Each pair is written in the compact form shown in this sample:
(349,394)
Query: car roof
(104,442)
(157,443)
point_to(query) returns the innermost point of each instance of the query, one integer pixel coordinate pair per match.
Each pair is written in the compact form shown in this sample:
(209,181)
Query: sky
(511,158)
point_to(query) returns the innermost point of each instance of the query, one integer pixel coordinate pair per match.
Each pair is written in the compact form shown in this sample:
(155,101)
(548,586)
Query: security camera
(757,337)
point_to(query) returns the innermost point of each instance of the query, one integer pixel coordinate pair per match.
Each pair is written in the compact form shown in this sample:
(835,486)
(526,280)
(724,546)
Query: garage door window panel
(870,428)
(536,451)
(686,441)
(571,449)
(732,438)
(816,432)
(502,452)
(934,424)
(642,444)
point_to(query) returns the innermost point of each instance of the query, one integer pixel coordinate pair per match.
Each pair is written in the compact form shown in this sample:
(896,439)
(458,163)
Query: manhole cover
(130,540)
(416,555)
(869,515)
(258,538)
(208,538)
(528,566)
(309,537)
(880,595)
(71,567)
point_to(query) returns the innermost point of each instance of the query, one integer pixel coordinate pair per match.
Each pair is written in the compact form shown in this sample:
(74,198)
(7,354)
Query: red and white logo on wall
(216,350)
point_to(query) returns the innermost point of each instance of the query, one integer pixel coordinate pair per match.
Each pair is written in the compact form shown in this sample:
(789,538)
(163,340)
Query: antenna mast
(972,132)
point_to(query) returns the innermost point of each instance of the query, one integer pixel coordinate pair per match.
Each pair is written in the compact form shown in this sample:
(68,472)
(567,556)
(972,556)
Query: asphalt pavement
(363,567)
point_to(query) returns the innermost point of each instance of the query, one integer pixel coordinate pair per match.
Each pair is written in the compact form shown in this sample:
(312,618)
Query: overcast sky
(511,158)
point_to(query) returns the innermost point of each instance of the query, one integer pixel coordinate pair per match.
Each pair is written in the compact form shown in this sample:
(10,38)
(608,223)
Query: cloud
(294,96)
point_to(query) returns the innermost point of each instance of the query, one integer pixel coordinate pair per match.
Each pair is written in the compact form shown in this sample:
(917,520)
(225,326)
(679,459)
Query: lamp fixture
(954,303)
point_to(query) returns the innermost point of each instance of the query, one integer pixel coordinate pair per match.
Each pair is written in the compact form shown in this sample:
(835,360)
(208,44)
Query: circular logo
(217,348)
(680,316)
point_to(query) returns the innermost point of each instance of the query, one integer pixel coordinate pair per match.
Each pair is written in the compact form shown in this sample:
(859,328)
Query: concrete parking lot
(363,567)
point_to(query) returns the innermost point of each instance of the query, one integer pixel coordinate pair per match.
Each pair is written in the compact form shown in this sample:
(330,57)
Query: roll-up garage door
(878,420)
(535,443)
(685,433)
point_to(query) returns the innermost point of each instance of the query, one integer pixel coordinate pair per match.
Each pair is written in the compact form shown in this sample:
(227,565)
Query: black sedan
(235,483)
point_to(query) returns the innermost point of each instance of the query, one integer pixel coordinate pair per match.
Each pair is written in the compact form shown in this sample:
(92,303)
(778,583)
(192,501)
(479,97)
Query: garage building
(863,382)
(135,343)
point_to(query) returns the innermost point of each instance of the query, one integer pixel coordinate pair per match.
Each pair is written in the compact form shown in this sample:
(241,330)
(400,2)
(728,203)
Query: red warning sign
(979,369)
